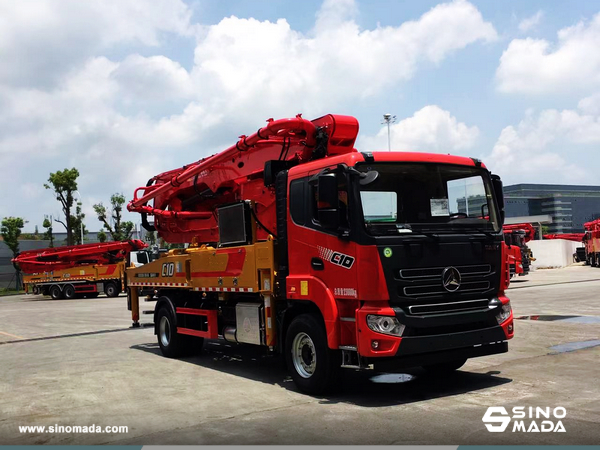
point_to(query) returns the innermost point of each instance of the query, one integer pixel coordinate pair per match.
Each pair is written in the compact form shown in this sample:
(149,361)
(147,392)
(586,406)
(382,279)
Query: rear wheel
(69,291)
(55,292)
(445,368)
(110,289)
(171,343)
(313,365)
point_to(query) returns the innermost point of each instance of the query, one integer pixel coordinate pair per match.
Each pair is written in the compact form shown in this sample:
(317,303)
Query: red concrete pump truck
(332,257)
(79,270)
(591,242)
(520,256)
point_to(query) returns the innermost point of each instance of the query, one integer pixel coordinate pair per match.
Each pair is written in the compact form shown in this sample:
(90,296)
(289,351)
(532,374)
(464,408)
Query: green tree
(119,231)
(64,183)
(47,236)
(151,237)
(76,221)
(10,230)
(101,236)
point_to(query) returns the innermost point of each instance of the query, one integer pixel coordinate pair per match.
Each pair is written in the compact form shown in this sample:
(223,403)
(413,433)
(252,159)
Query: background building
(570,206)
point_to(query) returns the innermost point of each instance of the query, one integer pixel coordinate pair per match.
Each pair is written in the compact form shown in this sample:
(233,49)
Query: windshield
(408,197)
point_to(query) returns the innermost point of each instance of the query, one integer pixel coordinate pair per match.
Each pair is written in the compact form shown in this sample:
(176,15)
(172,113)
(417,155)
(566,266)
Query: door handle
(317,264)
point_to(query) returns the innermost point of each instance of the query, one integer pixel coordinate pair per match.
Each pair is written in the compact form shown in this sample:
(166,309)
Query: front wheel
(445,368)
(171,343)
(314,367)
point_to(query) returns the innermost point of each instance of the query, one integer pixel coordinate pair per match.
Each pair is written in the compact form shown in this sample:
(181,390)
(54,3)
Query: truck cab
(401,252)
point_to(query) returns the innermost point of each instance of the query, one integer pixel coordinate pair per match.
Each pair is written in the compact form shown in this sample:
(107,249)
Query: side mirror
(499,191)
(327,201)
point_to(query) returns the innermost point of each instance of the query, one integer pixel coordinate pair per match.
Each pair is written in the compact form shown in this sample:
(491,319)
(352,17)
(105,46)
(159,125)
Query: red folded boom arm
(184,200)
(57,258)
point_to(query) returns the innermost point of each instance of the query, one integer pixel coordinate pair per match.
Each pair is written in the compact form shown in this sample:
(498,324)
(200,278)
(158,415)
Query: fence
(8,277)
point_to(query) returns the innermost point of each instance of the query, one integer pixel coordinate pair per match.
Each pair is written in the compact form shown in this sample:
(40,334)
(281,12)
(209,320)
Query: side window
(342,201)
(298,201)
(142,257)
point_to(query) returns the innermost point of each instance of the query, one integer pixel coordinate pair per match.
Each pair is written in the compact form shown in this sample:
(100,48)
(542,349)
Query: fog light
(510,328)
(504,313)
(375,344)
(385,325)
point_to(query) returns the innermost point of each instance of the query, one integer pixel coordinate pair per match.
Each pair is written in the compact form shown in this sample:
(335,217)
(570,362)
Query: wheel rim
(164,331)
(110,290)
(304,355)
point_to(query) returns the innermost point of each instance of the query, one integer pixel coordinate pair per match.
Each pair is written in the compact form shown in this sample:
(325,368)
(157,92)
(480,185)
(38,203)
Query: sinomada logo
(525,419)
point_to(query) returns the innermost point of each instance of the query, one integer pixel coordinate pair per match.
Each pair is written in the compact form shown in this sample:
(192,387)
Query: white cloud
(591,104)
(431,129)
(247,59)
(42,39)
(155,78)
(531,23)
(550,145)
(536,66)
(67,100)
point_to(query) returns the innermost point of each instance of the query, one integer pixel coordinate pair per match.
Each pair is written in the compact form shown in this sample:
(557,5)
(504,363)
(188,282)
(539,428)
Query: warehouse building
(570,206)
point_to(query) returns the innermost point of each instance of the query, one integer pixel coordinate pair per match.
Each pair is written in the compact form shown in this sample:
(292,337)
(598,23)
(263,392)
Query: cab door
(318,226)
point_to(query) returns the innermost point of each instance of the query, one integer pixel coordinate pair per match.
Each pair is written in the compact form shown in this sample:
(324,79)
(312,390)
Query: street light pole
(387,120)
(81,223)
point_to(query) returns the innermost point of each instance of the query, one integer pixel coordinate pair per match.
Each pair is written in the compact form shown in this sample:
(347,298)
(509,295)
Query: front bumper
(433,338)
(423,359)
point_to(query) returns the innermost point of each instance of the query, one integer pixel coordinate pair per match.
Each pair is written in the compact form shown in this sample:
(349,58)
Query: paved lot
(76,362)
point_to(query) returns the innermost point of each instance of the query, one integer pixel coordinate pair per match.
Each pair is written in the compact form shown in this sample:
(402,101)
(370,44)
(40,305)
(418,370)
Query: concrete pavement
(76,362)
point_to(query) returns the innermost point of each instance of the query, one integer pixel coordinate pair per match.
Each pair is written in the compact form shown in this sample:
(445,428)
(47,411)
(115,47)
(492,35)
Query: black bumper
(424,349)
(423,359)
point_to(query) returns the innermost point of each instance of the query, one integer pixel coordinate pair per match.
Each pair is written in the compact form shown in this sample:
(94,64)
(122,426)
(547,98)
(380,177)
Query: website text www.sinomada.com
(70,429)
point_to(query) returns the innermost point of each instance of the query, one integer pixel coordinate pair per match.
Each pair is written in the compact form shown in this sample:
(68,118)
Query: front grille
(438,289)
(436,272)
(427,282)
(437,308)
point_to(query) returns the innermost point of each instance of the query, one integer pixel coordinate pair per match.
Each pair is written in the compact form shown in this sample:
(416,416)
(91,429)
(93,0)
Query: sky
(126,89)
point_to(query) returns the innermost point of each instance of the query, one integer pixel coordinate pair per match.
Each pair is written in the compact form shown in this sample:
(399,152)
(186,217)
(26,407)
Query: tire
(55,292)
(35,290)
(445,368)
(111,289)
(314,367)
(69,291)
(172,344)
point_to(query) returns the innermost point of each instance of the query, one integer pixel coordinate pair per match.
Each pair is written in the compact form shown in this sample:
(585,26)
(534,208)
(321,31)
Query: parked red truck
(519,254)
(330,256)
(79,270)
(591,241)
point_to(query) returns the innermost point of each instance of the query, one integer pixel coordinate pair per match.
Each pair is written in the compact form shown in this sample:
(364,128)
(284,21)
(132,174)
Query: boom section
(183,201)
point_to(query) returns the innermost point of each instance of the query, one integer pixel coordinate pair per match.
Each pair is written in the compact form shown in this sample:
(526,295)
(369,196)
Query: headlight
(385,325)
(504,313)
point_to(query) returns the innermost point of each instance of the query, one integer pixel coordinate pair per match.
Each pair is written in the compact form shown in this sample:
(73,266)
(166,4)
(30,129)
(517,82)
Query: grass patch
(5,291)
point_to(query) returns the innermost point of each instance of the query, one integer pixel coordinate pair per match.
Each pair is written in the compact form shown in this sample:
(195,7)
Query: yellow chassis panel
(205,268)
